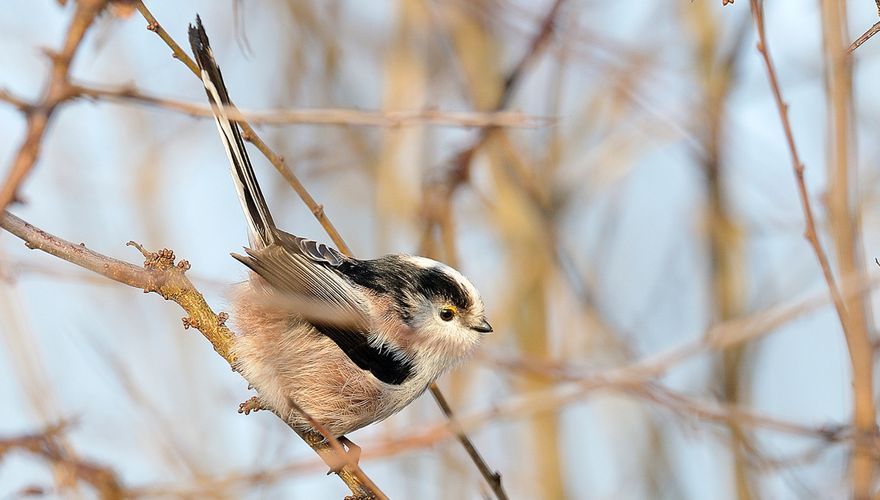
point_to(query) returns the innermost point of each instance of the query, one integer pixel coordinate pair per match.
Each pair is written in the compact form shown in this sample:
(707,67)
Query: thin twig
(160,274)
(47,445)
(57,91)
(438,196)
(722,336)
(348,117)
(726,413)
(798,167)
(250,135)
(437,201)
(863,410)
(864,38)
(493,477)
(340,452)
(687,405)
(19,103)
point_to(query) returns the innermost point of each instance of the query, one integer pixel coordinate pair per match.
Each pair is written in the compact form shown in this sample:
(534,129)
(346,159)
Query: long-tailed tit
(366,337)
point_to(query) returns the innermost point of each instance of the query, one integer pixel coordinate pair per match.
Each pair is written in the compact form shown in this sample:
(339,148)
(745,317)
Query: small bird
(349,341)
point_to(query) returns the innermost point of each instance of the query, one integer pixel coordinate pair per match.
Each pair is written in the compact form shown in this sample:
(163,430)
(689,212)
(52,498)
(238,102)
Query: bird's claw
(252,404)
(337,463)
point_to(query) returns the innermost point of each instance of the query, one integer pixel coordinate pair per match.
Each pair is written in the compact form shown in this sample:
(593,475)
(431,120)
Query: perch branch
(161,275)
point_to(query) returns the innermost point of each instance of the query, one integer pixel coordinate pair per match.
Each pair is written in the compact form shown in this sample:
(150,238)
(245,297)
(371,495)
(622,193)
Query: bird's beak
(483,326)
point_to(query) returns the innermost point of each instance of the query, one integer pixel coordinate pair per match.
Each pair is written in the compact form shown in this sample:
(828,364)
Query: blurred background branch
(348,117)
(610,174)
(56,92)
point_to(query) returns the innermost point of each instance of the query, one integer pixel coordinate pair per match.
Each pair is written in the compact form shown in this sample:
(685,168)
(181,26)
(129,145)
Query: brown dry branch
(729,415)
(492,477)
(56,92)
(160,274)
(706,411)
(857,340)
(338,458)
(348,117)
(846,233)
(864,37)
(250,135)
(719,337)
(716,71)
(19,103)
(438,198)
(47,445)
(317,210)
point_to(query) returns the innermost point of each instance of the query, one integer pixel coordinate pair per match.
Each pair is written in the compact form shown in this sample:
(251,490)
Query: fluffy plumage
(350,341)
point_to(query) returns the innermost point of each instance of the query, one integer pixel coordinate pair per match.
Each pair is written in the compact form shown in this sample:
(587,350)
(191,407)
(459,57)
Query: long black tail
(261,226)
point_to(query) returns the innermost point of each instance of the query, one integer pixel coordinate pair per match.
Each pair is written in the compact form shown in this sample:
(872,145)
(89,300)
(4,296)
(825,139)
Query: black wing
(379,361)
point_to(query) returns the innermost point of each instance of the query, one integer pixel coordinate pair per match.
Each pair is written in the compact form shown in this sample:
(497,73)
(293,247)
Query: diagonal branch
(250,135)
(873,30)
(857,340)
(161,275)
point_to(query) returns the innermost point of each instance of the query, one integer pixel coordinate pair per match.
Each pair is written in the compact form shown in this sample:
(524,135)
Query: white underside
(287,359)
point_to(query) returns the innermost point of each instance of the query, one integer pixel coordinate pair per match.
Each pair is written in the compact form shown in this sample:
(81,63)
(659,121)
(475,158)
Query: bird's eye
(447,313)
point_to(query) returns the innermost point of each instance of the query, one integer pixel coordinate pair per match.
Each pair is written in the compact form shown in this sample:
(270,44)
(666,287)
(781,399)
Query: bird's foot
(252,404)
(336,462)
(353,450)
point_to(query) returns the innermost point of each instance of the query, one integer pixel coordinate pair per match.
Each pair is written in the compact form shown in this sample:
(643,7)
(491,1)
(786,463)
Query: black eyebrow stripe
(435,282)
